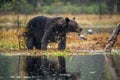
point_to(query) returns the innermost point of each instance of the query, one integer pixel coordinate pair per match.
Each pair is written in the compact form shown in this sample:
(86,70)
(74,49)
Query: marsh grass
(10,38)
(82,19)
(9,41)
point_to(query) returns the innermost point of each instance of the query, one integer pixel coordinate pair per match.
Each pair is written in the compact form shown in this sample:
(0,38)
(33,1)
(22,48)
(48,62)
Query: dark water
(77,67)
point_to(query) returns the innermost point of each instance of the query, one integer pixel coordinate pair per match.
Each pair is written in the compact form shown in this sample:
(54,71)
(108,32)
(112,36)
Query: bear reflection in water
(42,68)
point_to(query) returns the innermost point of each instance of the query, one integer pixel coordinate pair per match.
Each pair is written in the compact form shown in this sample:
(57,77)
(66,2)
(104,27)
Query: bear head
(72,25)
(62,26)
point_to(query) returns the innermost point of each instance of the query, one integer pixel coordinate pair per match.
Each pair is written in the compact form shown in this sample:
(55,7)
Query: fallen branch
(108,56)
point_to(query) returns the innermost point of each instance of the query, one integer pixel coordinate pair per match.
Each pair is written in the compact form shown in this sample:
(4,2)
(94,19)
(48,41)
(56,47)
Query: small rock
(90,31)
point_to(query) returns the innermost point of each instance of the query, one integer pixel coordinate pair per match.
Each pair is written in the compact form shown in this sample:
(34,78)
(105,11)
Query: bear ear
(67,20)
(73,18)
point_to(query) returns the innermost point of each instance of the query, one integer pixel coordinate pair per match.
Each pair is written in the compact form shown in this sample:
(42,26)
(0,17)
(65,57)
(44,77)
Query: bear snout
(79,30)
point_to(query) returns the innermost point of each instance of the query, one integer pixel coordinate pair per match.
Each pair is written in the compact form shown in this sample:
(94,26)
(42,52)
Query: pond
(76,67)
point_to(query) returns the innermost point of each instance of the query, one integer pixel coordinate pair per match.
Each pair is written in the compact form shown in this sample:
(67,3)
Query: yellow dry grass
(9,39)
(83,19)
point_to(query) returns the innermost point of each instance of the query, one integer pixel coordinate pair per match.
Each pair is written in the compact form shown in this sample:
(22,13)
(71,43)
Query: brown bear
(41,30)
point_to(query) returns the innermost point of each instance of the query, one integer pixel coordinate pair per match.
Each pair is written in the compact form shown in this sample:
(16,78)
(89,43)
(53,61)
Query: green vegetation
(55,7)
(60,8)
(72,9)
(16,7)
(94,9)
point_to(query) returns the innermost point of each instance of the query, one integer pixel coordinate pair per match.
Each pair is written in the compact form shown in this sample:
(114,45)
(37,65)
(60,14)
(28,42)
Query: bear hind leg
(37,45)
(30,42)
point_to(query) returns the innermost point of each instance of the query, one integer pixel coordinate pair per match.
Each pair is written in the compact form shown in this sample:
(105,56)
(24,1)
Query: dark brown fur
(41,30)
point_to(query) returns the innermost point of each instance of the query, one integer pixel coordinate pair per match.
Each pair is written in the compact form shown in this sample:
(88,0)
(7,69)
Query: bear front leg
(38,45)
(62,43)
